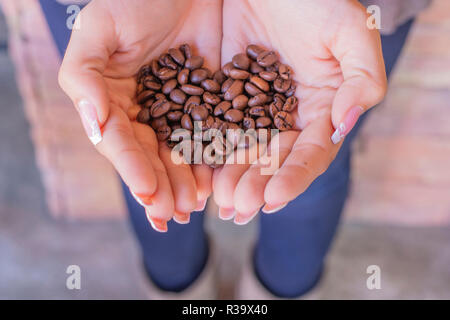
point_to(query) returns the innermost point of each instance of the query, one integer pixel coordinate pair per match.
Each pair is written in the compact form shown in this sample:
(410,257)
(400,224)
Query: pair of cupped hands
(338,65)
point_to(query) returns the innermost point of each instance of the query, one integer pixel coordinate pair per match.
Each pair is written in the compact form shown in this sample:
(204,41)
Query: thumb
(358,50)
(81,73)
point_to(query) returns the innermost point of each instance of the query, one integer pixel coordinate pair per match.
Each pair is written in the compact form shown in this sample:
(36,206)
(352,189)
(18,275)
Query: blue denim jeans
(292,244)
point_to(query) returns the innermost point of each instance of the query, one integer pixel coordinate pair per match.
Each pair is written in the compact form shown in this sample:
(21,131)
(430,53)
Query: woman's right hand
(114,39)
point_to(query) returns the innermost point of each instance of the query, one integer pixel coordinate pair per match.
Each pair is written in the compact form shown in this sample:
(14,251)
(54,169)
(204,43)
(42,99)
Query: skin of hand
(113,40)
(338,64)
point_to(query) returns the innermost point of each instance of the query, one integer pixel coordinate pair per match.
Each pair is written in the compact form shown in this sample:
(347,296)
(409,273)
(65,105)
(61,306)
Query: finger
(120,147)
(310,156)
(203,177)
(226,179)
(161,206)
(81,73)
(183,184)
(249,193)
(358,50)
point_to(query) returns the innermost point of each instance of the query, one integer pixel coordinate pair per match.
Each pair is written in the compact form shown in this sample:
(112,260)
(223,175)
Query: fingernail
(226,213)
(268,209)
(201,205)
(181,218)
(242,219)
(347,125)
(90,121)
(143,200)
(157,224)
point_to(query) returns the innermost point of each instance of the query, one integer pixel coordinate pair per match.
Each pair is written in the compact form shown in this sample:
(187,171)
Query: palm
(304,33)
(137,34)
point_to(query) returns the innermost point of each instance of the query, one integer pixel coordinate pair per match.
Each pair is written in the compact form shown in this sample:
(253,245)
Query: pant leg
(292,245)
(175,259)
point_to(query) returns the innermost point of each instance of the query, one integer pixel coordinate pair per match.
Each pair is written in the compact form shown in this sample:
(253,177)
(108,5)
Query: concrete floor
(35,250)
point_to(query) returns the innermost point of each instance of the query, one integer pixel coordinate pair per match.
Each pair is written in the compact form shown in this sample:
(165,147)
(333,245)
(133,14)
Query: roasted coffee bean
(178,96)
(145,71)
(163,133)
(211,85)
(198,75)
(274,109)
(155,67)
(177,56)
(260,83)
(253,51)
(186,122)
(263,122)
(234,115)
(279,97)
(160,108)
(187,51)
(281,85)
(199,113)
(209,107)
(149,103)
(227,68)
(251,89)
(191,102)
(143,116)
(175,127)
(241,61)
(139,88)
(158,122)
(285,71)
(255,68)
(238,74)
(257,100)
(291,90)
(267,58)
(283,121)
(248,123)
(144,96)
(166,61)
(166,73)
(234,90)
(183,76)
(194,62)
(274,67)
(169,86)
(209,122)
(258,111)
(174,115)
(176,106)
(222,108)
(192,90)
(160,96)
(211,98)
(151,83)
(219,76)
(226,85)
(290,104)
(268,76)
(240,102)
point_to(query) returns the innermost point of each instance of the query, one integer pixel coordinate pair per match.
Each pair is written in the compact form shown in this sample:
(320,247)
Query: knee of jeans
(287,276)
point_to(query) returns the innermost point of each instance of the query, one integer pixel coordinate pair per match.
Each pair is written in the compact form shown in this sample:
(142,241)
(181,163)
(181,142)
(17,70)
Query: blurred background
(61,203)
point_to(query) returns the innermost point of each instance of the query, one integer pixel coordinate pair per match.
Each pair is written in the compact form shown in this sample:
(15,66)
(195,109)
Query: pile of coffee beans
(253,91)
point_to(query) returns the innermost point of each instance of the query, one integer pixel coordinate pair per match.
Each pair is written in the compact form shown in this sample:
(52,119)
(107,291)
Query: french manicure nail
(201,205)
(242,219)
(181,218)
(90,121)
(347,125)
(268,209)
(157,224)
(143,200)
(226,213)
